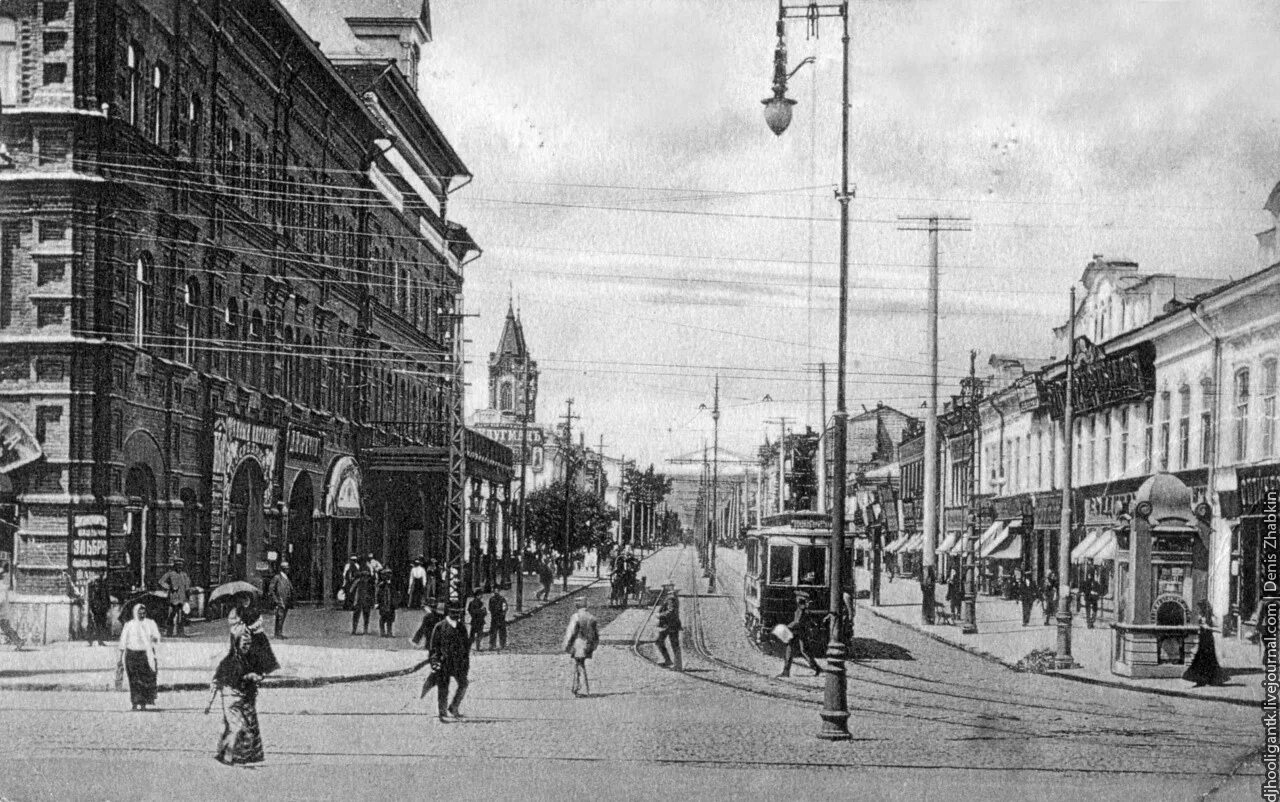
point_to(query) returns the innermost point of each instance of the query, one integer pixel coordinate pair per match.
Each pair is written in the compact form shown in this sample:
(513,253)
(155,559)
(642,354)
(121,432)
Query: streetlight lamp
(777,114)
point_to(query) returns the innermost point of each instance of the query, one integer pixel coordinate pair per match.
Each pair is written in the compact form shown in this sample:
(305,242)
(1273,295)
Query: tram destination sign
(1104,380)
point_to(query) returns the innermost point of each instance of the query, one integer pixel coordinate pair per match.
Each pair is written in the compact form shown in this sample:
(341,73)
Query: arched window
(256,346)
(1166,418)
(143,297)
(1240,400)
(305,372)
(286,380)
(10,62)
(191,316)
(133,84)
(504,397)
(232,342)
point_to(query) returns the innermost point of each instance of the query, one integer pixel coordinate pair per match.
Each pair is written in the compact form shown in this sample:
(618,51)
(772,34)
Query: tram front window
(813,565)
(780,565)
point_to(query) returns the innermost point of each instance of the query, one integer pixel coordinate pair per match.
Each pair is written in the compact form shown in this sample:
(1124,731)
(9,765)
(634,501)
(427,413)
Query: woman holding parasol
(249,657)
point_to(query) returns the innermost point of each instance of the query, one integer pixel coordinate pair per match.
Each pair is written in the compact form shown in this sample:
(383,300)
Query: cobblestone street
(927,720)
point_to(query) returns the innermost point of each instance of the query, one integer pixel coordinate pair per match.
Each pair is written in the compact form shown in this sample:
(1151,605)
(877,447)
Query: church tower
(507,371)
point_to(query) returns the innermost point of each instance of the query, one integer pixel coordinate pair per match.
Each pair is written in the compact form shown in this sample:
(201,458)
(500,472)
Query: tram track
(729,674)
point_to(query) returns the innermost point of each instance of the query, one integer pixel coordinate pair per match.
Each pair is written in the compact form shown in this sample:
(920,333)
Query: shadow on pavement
(871,649)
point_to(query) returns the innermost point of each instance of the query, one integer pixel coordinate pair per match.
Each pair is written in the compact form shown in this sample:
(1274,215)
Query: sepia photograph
(639,400)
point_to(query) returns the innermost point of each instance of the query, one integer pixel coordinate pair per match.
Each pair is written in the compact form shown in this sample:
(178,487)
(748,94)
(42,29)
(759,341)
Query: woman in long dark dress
(248,658)
(138,642)
(1204,668)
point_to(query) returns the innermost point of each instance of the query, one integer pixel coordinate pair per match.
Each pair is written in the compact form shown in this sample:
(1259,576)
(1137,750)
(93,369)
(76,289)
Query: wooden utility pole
(568,419)
(969,606)
(522,543)
(1063,657)
(932,470)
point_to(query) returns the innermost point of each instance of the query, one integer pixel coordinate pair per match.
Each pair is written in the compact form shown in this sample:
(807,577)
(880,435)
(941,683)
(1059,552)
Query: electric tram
(788,556)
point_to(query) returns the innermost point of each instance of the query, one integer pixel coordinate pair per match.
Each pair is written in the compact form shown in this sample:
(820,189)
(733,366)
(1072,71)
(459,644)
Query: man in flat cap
(800,627)
(669,628)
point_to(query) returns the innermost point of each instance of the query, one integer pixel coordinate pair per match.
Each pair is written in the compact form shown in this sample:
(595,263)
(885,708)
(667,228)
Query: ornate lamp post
(777,114)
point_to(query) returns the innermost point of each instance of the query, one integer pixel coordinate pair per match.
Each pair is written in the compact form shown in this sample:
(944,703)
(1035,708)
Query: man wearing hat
(799,627)
(280,591)
(450,650)
(387,601)
(669,628)
(178,585)
(433,616)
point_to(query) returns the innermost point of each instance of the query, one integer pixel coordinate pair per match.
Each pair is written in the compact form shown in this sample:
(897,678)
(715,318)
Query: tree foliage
(590,527)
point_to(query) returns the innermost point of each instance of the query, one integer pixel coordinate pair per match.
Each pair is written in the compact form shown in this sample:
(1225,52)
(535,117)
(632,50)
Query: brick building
(229,297)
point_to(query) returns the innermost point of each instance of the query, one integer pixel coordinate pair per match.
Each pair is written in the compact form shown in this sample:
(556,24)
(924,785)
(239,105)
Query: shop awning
(948,543)
(1082,548)
(1104,548)
(1010,549)
(994,531)
(895,545)
(916,543)
(958,548)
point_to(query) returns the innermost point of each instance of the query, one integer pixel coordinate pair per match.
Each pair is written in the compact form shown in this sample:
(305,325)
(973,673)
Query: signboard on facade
(343,497)
(1101,381)
(1253,484)
(88,545)
(305,444)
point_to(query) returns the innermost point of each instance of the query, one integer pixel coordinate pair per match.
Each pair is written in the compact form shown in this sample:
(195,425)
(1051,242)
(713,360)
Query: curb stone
(1063,674)
(279,682)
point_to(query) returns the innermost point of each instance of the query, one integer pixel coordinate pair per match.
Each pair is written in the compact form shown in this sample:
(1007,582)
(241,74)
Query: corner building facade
(226,273)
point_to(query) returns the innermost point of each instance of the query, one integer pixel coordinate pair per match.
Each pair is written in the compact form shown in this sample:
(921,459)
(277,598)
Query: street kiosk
(1160,581)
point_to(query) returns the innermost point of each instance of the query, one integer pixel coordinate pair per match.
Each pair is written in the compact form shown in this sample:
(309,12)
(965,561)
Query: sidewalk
(319,650)
(1002,638)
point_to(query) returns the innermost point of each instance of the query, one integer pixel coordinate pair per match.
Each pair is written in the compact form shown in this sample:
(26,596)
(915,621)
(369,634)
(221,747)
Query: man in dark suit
(450,648)
(434,615)
(669,628)
(497,621)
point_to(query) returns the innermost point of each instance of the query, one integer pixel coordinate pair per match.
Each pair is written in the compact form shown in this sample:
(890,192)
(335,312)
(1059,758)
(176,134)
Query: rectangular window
(1148,419)
(1241,398)
(49,272)
(46,417)
(1166,413)
(1106,446)
(50,314)
(1053,458)
(159,92)
(1269,408)
(1206,423)
(53,146)
(1091,464)
(51,230)
(8,247)
(1184,427)
(781,563)
(53,41)
(55,72)
(812,565)
(55,11)
(1124,440)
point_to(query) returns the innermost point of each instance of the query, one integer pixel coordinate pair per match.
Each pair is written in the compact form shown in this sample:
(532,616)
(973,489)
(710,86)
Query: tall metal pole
(969,609)
(715,487)
(835,705)
(822,443)
(524,481)
(928,571)
(568,484)
(1063,657)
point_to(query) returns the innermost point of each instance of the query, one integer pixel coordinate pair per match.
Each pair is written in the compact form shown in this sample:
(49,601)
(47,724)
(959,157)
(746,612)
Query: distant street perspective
(545,399)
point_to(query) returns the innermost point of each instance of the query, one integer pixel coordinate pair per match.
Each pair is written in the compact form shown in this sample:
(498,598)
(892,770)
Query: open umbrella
(231,589)
(156,602)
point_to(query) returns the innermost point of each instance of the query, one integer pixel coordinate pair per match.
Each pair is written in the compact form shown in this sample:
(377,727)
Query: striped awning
(1082,548)
(948,543)
(916,543)
(1104,548)
(1010,549)
(994,531)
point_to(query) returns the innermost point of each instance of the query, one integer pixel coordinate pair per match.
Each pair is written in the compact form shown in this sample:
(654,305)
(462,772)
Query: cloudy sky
(656,233)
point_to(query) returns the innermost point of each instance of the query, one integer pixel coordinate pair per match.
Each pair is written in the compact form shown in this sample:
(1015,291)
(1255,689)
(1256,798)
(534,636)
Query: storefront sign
(305,444)
(1028,397)
(955,519)
(1253,484)
(1103,380)
(1010,507)
(234,442)
(89,542)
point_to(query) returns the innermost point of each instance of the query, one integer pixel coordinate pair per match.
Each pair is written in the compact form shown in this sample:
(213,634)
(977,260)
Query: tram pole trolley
(787,557)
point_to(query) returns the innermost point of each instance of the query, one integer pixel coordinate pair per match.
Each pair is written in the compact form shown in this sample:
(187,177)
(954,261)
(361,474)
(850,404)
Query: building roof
(327,21)
(512,341)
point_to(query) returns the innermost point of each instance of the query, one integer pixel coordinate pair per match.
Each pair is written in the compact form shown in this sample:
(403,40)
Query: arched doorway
(245,521)
(195,539)
(141,546)
(298,545)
